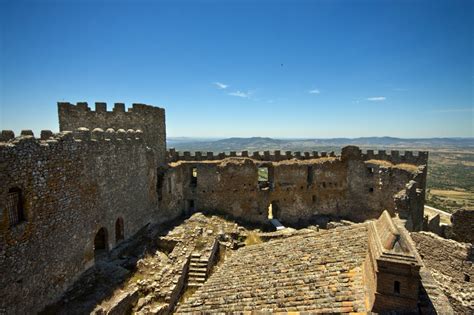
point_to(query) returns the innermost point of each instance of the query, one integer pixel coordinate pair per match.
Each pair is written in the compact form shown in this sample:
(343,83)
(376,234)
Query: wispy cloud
(376,98)
(240,94)
(454,110)
(220,85)
(314,91)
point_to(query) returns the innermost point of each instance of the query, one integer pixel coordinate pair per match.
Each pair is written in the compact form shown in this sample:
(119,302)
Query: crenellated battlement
(80,135)
(394,157)
(101,108)
(174,156)
(149,119)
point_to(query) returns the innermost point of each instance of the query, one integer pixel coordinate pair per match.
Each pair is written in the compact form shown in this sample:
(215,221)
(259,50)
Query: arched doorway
(119,232)
(101,245)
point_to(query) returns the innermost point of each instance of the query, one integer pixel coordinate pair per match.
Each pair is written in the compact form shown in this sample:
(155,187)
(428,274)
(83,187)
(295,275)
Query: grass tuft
(253,239)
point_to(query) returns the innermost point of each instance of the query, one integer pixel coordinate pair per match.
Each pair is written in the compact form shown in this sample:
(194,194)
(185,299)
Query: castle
(68,198)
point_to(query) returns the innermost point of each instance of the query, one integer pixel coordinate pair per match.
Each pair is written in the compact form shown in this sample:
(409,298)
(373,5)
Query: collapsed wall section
(64,199)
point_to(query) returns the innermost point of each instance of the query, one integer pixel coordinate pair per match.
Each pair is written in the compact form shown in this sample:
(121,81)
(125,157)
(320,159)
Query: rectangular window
(194,177)
(309,178)
(263,182)
(396,287)
(14,206)
(160,176)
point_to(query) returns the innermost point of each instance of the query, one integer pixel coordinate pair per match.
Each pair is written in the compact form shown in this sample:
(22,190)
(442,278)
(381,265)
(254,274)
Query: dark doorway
(191,206)
(119,230)
(101,245)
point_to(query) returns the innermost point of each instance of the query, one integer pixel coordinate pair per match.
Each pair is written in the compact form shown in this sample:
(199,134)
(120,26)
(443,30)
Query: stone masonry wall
(72,184)
(410,157)
(149,119)
(300,190)
(463,225)
(450,264)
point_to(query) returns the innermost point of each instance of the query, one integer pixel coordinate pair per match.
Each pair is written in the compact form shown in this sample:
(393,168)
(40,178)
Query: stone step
(195,284)
(197,279)
(196,273)
(196,269)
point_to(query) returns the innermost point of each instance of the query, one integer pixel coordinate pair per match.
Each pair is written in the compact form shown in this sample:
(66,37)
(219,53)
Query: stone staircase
(197,274)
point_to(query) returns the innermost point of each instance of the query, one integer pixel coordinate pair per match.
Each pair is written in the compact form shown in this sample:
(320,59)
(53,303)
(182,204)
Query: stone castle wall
(72,184)
(410,157)
(149,119)
(450,264)
(463,226)
(76,183)
(346,186)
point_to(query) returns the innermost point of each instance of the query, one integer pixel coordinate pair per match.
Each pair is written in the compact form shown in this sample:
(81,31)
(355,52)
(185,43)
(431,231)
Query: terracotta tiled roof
(320,271)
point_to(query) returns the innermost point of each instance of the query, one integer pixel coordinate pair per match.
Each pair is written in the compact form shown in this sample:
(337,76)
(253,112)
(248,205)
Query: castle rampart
(149,119)
(68,197)
(409,157)
(58,193)
(346,186)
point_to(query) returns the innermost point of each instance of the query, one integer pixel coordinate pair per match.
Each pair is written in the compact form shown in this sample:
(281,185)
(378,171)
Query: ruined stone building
(70,200)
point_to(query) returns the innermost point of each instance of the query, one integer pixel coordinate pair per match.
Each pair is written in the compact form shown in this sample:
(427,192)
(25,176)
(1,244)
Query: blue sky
(249,68)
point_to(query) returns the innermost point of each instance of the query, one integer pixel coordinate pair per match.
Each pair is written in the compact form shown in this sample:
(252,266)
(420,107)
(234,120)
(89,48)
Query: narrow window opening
(160,175)
(194,174)
(396,287)
(467,278)
(273,210)
(119,230)
(324,184)
(371,189)
(14,206)
(370,170)
(314,199)
(309,178)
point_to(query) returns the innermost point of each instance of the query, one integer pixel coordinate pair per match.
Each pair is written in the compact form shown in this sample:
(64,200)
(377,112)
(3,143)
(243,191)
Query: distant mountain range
(335,144)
